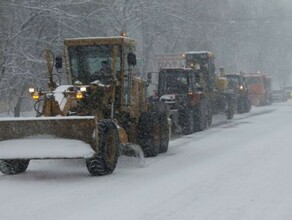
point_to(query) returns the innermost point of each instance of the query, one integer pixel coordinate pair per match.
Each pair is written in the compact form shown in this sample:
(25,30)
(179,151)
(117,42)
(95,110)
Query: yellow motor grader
(103,108)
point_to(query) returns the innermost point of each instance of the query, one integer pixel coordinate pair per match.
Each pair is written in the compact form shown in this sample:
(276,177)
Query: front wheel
(230,107)
(12,167)
(148,134)
(105,160)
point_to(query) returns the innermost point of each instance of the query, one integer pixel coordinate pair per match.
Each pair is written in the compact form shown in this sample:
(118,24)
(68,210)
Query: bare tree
(245,35)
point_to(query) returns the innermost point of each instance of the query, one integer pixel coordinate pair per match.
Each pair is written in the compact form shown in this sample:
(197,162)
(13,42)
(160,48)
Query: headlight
(79,95)
(83,89)
(31,90)
(35,95)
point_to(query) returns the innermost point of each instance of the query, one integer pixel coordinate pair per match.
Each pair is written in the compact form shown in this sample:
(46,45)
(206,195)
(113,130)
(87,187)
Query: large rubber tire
(12,167)
(164,133)
(105,160)
(200,117)
(186,121)
(230,107)
(247,105)
(148,134)
(209,113)
(229,114)
(241,106)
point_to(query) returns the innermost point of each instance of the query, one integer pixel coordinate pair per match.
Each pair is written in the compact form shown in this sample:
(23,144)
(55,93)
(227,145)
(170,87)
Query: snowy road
(237,170)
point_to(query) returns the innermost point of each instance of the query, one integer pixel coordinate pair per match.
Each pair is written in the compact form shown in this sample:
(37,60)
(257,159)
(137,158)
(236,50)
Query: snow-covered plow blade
(47,137)
(80,128)
(74,137)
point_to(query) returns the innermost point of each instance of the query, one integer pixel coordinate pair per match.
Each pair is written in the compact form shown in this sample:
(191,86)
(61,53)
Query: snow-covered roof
(233,74)
(97,38)
(197,52)
(176,68)
(45,118)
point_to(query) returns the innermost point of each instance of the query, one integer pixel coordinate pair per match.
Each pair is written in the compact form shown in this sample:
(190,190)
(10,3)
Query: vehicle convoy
(103,105)
(259,87)
(178,88)
(236,83)
(214,93)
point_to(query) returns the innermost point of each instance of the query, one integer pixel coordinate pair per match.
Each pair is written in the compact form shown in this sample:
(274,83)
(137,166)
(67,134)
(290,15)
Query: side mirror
(59,62)
(132,59)
(149,77)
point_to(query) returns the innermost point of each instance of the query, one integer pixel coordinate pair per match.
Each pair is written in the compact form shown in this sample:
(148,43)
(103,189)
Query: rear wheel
(186,119)
(209,113)
(11,167)
(164,133)
(230,107)
(247,105)
(241,106)
(105,160)
(229,114)
(148,134)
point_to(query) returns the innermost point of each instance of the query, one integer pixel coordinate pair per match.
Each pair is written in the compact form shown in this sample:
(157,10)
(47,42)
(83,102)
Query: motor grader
(221,100)
(108,113)
(237,84)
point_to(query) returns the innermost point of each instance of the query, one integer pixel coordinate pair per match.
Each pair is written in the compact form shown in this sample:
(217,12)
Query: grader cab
(103,105)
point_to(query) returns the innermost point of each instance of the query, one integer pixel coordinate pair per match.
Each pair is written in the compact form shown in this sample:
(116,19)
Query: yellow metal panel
(99,41)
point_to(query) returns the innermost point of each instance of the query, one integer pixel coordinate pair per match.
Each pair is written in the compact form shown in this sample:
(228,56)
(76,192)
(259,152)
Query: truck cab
(179,89)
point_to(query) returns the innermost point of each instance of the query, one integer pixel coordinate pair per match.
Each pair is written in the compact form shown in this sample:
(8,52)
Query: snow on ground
(240,169)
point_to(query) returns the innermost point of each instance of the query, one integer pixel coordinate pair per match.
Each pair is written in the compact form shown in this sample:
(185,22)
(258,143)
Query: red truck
(259,88)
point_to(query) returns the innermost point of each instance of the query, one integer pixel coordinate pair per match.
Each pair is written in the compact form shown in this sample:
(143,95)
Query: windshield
(173,81)
(253,80)
(233,81)
(91,62)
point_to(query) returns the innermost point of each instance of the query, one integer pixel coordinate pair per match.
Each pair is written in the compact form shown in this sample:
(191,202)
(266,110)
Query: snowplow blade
(39,135)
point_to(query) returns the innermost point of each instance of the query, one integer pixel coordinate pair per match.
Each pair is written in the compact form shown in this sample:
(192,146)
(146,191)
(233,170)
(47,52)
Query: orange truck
(259,88)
